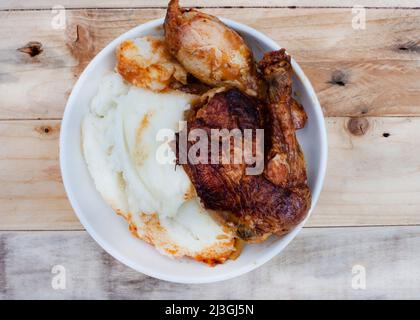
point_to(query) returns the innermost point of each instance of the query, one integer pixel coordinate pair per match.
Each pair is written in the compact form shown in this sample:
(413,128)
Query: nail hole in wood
(44,130)
(410,46)
(386,134)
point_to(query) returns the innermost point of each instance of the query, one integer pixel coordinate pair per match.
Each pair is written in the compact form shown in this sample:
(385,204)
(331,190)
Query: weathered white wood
(371,72)
(371,179)
(318,264)
(48,4)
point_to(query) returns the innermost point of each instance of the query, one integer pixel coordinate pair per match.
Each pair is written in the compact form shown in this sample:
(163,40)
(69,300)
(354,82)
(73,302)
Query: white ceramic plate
(111,231)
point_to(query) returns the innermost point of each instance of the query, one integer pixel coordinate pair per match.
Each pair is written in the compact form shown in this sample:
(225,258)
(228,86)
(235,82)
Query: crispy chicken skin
(285,161)
(252,205)
(146,63)
(215,54)
(256,206)
(298,114)
(209,50)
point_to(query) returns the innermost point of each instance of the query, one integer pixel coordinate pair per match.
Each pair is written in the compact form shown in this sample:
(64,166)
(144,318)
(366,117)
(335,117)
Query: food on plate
(146,63)
(256,206)
(298,114)
(285,165)
(215,54)
(200,76)
(209,50)
(158,201)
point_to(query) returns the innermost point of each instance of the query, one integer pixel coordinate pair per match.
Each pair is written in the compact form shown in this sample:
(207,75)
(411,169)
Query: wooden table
(367,221)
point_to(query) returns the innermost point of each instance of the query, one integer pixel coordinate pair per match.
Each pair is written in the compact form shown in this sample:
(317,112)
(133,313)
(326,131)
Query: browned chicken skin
(209,50)
(215,54)
(285,162)
(255,206)
(298,114)
(252,205)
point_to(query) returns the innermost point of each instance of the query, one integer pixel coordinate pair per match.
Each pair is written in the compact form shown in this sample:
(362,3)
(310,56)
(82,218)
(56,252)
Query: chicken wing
(209,50)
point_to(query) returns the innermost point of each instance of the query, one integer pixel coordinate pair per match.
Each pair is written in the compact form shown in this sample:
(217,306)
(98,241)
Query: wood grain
(316,265)
(373,179)
(372,173)
(31,192)
(48,4)
(355,72)
(367,181)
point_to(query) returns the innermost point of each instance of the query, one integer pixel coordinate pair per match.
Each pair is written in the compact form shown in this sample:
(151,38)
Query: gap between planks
(209,7)
(304,227)
(325,117)
(158,4)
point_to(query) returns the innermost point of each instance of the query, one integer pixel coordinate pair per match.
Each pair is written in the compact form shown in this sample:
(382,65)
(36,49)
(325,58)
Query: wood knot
(338,78)
(32,48)
(358,126)
(44,130)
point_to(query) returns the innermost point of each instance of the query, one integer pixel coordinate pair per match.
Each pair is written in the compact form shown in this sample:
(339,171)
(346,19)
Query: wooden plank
(31,192)
(318,264)
(373,175)
(48,4)
(355,72)
(371,179)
